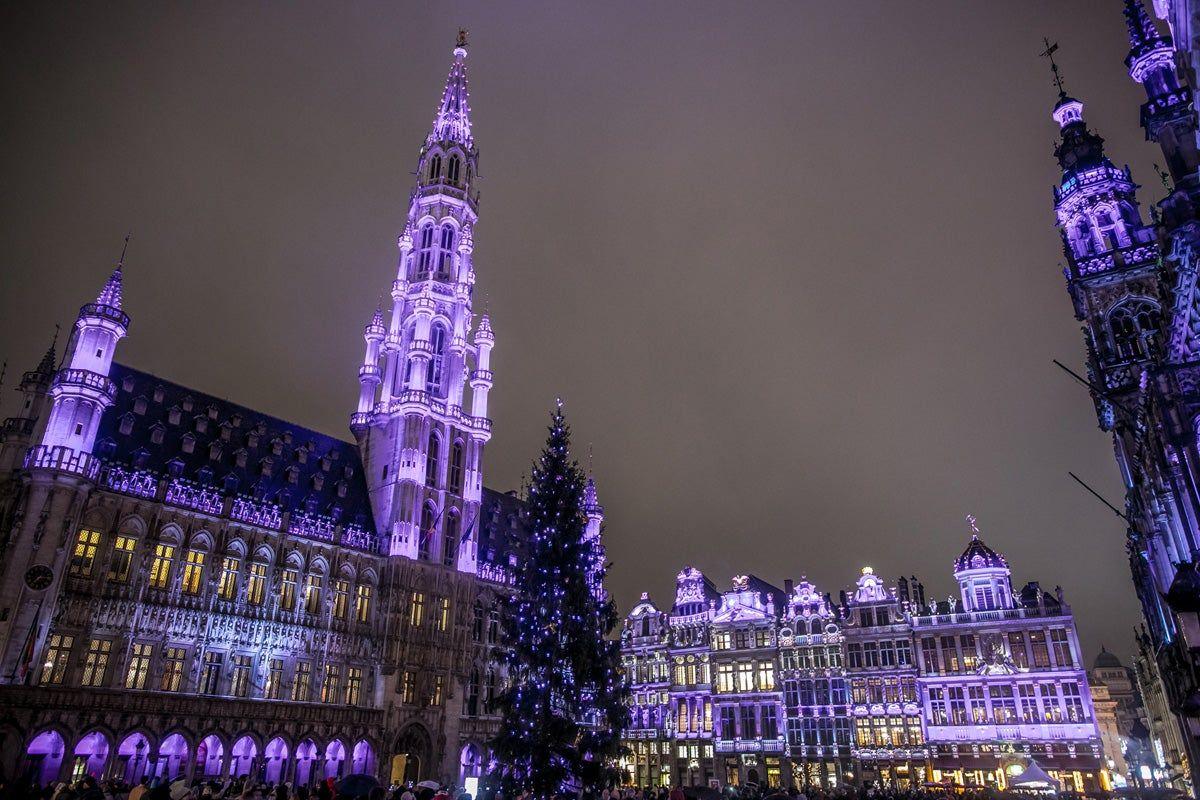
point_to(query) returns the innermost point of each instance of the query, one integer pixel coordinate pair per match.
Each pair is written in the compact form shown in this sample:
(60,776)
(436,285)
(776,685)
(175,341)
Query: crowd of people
(244,788)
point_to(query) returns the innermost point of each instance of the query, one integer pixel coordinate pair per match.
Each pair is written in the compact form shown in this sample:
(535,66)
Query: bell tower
(422,443)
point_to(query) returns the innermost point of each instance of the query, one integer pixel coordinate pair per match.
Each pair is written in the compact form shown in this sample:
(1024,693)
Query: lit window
(239,685)
(58,652)
(439,690)
(193,571)
(408,687)
(353,686)
(425,252)
(96,662)
(139,666)
(172,674)
(256,584)
(274,679)
(84,554)
(227,588)
(287,589)
(437,357)
(300,685)
(122,559)
(362,603)
(443,620)
(332,683)
(341,595)
(210,676)
(416,609)
(312,594)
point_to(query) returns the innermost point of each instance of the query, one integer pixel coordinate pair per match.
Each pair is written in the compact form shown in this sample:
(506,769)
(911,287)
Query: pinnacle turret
(452,123)
(1142,33)
(111,294)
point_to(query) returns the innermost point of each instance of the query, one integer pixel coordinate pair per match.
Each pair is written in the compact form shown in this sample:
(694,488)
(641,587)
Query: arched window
(437,355)
(426,533)
(425,250)
(1134,325)
(452,170)
(472,698)
(455,480)
(435,167)
(432,454)
(1112,232)
(445,251)
(450,539)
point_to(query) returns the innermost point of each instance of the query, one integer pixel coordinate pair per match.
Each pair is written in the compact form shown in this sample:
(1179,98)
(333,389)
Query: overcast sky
(792,266)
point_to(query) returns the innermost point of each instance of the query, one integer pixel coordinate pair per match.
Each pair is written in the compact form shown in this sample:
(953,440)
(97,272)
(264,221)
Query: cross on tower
(1048,53)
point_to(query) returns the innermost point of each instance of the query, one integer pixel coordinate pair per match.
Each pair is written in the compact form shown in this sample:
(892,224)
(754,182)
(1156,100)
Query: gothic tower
(422,444)
(62,470)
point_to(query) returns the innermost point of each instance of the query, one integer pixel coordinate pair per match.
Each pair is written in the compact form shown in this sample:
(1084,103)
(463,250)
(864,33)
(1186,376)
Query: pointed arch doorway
(412,754)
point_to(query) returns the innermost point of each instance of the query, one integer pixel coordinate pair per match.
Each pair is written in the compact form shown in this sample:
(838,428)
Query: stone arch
(134,756)
(362,758)
(243,756)
(171,533)
(306,758)
(265,554)
(275,758)
(172,755)
(91,753)
(210,756)
(335,759)
(235,547)
(44,756)
(201,540)
(470,761)
(132,525)
(413,754)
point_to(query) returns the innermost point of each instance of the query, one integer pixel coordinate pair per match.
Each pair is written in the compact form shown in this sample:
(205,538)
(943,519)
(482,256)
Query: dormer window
(174,415)
(139,405)
(226,430)
(201,424)
(158,394)
(276,446)
(293,474)
(214,451)
(236,420)
(342,488)
(157,433)
(127,424)
(318,482)
(302,455)
(212,413)
(127,384)
(187,403)
(240,457)
(188,443)
(252,440)
(265,467)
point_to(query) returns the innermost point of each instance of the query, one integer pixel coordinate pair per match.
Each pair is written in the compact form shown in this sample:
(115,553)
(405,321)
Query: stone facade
(880,687)
(191,587)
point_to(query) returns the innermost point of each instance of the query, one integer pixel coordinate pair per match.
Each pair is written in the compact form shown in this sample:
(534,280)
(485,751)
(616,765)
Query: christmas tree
(563,710)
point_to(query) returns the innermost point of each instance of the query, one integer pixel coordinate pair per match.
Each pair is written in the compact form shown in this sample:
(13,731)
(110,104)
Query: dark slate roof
(309,472)
(1105,659)
(233,449)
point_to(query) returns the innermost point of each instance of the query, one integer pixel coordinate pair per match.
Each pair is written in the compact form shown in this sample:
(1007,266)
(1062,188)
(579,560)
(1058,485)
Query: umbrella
(357,785)
(428,785)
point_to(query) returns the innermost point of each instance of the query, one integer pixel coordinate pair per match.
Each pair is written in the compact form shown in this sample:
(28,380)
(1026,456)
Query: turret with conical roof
(984,579)
(82,390)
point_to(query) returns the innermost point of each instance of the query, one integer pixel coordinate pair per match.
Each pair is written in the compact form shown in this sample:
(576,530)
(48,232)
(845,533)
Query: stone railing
(185,494)
(139,483)
(82,377)
(63,459)
(252,512)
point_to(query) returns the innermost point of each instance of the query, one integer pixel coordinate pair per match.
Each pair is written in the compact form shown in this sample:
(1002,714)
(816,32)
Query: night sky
(792,267)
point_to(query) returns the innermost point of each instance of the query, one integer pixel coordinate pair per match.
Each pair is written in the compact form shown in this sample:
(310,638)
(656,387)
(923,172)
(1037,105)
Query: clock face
(39,577)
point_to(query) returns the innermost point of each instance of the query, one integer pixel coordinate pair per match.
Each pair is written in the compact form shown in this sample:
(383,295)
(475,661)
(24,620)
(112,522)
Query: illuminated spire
(453,120)
(110,295)
(1141,29)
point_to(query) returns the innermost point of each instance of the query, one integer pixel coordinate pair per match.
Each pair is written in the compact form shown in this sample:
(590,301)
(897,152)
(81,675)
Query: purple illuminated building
(192,587)
(880,688)
(1133,287)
